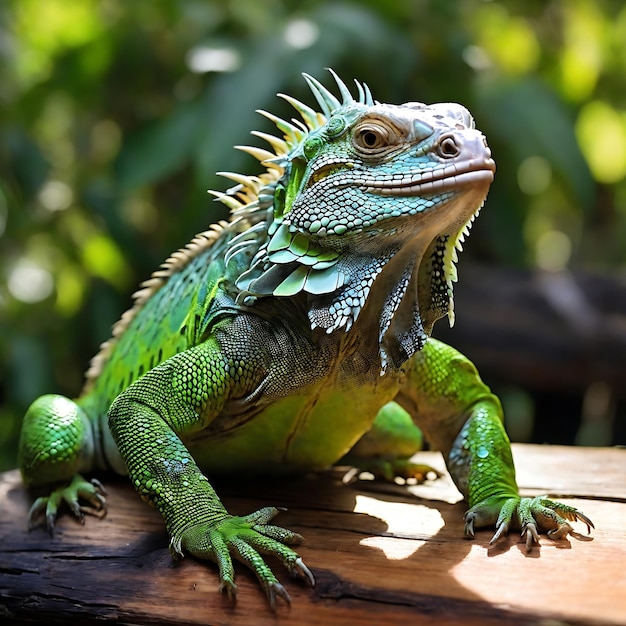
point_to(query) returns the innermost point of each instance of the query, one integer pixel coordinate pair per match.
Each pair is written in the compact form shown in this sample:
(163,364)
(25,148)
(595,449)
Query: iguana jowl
(275,341)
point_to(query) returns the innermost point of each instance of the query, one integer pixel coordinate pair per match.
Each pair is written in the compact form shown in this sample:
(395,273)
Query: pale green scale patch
(294,283)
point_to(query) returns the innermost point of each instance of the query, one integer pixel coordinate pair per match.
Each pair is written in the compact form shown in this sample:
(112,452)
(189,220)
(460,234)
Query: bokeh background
(114,116)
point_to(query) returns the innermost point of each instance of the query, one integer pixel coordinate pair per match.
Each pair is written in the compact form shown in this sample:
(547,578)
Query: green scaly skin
(293,335)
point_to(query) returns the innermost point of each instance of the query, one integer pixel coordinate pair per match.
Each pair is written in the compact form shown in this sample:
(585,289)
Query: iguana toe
(259,520)
(390,470)
(245,551)
(264,515)
(408,470)
(565,512)
(49,506)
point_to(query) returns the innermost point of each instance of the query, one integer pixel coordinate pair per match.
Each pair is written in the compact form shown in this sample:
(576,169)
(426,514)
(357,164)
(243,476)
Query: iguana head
(369,203)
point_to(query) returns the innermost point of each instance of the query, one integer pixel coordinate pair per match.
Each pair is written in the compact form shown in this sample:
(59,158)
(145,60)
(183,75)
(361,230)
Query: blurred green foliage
(114,116)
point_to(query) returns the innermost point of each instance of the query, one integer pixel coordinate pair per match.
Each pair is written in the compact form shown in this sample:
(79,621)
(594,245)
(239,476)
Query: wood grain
(381,554)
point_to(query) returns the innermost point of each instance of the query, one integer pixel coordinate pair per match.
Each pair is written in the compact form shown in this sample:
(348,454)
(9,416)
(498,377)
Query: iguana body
(273,342)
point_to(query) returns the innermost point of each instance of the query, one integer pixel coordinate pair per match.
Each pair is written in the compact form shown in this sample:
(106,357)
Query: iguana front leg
(462,418)
(180,396)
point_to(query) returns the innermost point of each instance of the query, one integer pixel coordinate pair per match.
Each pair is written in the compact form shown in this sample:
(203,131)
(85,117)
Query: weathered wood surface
(381,555)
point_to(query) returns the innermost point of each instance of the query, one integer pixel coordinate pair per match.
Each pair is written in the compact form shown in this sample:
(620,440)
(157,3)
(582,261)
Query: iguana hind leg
(56,444)
(386,449)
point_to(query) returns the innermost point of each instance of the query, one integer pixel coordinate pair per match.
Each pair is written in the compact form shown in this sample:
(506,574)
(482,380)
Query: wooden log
(381,554)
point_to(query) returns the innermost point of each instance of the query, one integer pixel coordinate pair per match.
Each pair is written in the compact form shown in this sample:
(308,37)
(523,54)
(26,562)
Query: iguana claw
(501,531)
(299,570)
(532,535)
(276,589)
(230,588)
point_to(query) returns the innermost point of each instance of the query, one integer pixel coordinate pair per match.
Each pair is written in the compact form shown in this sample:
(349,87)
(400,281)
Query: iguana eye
(370,137)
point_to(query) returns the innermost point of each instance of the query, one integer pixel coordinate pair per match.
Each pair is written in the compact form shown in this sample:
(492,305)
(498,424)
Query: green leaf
(154,152)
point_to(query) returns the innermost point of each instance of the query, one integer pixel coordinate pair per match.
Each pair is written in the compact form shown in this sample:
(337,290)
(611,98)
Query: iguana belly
(295,434)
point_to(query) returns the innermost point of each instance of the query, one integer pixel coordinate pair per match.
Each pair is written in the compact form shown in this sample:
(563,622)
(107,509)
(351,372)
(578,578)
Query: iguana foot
(245,539)
(391,470)
(530,514)
(407,470)
(90,491)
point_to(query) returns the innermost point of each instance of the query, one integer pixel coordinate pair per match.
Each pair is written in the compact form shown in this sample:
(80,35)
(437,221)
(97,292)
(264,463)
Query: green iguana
(273,342)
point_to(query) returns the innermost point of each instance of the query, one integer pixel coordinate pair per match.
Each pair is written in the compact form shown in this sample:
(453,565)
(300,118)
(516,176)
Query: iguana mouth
(438,180)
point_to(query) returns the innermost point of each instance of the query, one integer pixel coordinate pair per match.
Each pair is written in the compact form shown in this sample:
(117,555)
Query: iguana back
(162,321)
